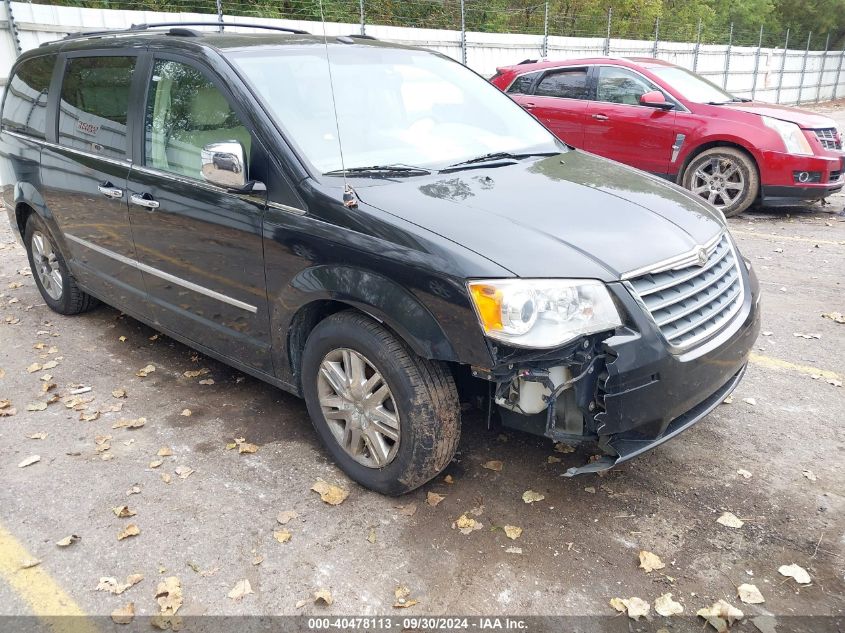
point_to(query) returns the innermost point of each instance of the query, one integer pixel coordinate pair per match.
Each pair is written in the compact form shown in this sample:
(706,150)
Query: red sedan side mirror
(655,99)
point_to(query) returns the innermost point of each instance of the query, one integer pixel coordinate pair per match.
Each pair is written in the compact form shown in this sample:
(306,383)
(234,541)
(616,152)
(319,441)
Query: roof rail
(178,28)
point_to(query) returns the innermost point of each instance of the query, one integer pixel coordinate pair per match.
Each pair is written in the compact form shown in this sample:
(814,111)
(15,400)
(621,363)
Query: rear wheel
(725,177)
(390,419)
(55,283)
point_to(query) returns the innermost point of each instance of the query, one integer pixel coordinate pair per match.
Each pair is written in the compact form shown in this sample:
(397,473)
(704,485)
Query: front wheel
(725,177)
(390,419)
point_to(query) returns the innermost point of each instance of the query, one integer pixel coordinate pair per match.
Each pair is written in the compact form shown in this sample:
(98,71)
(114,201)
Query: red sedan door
(618,127)
(559,101)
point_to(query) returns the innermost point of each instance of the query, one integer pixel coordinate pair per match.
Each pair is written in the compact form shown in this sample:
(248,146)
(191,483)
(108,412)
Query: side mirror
(223,164)
(655,99)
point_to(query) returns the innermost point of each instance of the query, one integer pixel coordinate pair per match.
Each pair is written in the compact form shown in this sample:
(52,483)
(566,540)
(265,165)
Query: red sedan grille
(829,137)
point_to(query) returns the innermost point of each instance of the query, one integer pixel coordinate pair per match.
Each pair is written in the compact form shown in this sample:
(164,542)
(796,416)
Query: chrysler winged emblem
(701,256)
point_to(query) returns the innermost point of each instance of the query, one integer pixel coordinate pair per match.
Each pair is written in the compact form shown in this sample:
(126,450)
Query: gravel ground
(578,548)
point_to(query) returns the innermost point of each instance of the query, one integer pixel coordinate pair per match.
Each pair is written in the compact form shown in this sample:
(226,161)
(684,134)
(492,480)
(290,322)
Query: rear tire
(417,409)
(57,286)
(724,176)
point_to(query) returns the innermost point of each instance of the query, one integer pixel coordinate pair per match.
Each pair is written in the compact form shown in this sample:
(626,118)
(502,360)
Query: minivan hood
(802,118)
(570,215)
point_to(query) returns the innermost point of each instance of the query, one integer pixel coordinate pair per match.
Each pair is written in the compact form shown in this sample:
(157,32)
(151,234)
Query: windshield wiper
(381,170)
(731,100)
(494,156)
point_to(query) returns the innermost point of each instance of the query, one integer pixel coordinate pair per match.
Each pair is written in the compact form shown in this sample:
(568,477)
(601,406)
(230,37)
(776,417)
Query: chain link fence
(789,67)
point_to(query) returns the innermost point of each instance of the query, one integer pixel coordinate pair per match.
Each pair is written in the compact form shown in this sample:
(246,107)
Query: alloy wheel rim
(359,408)
(46,265)
(720,181)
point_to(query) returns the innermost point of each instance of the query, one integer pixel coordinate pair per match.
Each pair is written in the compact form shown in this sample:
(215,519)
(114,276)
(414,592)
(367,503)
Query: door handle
(528,106)
(600,117)
(110,191)
(144,200)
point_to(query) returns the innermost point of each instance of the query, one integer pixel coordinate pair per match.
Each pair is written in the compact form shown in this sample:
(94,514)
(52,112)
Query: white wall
(39,23)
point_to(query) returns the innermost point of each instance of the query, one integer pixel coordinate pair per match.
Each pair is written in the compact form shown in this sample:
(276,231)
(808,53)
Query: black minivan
(376,228)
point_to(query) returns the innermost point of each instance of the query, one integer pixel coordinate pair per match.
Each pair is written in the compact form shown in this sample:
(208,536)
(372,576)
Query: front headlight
(542,313)
(792,135)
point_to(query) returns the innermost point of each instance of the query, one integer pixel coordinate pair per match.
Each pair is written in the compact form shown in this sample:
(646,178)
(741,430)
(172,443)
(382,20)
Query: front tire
(49,269)
(389,419)
(724,176)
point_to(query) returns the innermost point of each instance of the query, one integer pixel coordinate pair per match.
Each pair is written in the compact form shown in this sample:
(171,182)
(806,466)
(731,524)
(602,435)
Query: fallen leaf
(246,447)
(465,524)
(186,413)
(650,561)
(123,512)
(797,572)
(89,417)
(665,606)
(169,595)
(207,381)
(837,317)
(551,459)
(283,536)
(408,510)
(68,540)
(129,530)
(728,400)
(5,404)
(123,615)
(371,537)
(529,496)
(807,336)
(118,393)
(285,516)
(241,589)
(33,368)
(29,461)
(29,563)
(36,406)
(728,519)
(512,532)
(323,596)
(165,451)
(432,498)
(257,559)
(156,463)
(402,602)
(196,374)
(449,479)
(590,489)
(750,401)
(636,607)
(122,339)
(809,474)
(145,371)
(48,386)
(721,615)
(7,411)
(750,594)
(166,478)
(183,471)
(137,423)
(743,473)
(154,337)
(134,490)
(493,464)
(333,495)
(112,585)
(50,364)
(561,447)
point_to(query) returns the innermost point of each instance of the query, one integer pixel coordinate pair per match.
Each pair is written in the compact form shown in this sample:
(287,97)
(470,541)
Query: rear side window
(25,109)
(95,104)
(522,84)
(568,84)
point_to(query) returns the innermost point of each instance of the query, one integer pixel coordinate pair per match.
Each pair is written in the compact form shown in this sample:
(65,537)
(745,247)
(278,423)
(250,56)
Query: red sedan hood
(803,118)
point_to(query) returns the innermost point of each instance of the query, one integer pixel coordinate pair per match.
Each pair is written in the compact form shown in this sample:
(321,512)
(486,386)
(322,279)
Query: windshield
(692,87)
(394,106)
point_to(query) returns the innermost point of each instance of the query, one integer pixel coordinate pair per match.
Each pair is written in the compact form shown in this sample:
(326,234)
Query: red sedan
(667,120)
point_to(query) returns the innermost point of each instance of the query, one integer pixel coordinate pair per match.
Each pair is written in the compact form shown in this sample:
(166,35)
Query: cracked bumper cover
(652,393)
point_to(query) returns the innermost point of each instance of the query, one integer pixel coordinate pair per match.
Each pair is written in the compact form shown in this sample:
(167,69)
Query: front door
(621,129)
(199,244)
(85,174)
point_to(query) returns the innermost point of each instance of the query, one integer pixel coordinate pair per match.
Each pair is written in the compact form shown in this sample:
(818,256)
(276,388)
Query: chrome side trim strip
(114,161)
(163,275)
(678,261)
(677,145)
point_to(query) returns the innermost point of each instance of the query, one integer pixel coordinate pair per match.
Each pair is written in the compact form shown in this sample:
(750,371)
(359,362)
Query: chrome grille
(829,138)
(690,303)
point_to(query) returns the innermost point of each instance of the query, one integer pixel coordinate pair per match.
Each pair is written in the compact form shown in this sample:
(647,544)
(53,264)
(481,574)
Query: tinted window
(522,84)
(26,98)
(617,85)
(95,102)
(571,84)
(186,112)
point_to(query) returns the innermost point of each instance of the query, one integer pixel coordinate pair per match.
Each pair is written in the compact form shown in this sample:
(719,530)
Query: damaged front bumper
(630,391)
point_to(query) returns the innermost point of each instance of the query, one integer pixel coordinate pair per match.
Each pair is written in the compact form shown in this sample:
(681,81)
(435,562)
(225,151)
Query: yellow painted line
(790,238)
(45,597)
(777,363)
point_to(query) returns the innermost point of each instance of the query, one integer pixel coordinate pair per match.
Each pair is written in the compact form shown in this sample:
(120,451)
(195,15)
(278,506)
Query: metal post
(838,70)
(656,36)
(363,23)
(220,15)
(782,66)
(546,30)
(804,68)
(697,47)
(824,63)
(728,56)
(463,34)
(757,64)
(606,50)
(13,28)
